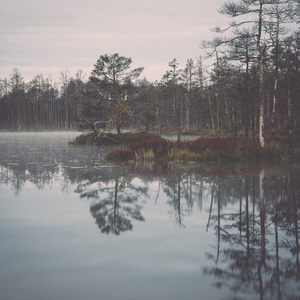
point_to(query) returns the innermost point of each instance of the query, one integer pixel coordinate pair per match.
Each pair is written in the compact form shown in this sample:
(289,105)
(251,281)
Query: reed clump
(145,154)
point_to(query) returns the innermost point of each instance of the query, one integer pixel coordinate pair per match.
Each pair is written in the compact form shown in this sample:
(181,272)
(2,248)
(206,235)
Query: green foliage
(149,119)
(122,113)
(110,67)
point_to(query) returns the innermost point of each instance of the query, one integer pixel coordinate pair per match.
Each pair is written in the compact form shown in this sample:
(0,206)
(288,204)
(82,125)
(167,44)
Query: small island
(143,145)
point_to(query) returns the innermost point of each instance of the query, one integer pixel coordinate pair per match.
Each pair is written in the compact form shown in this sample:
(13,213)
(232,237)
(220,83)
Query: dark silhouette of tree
(115,206)
(149,119)
(178,190)
(213,50)
(110,74)
(248,259)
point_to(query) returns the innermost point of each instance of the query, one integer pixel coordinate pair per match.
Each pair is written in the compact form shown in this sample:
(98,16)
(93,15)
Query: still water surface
(75,227)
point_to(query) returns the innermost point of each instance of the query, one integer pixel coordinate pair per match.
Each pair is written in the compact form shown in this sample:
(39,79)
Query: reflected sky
(73,226)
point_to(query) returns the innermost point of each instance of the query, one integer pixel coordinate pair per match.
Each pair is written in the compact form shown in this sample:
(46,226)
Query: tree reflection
(115,203)
(254,217)
(30,158)
(253,259)
(45,161)
(179,191)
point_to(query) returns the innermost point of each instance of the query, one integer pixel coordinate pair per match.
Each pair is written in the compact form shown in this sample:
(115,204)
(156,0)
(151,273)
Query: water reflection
(46,159)
(115,201)
(252,210)
(257,249)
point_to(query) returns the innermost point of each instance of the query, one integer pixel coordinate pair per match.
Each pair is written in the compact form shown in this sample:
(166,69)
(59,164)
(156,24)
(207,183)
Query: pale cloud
(42,36)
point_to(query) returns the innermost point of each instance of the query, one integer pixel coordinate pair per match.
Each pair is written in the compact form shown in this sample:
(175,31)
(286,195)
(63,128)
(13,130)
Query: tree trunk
(211,111)
(261,51)
(273,121)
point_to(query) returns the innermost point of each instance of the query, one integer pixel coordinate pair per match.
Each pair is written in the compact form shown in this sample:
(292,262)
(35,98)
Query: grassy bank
(140,145)
(207,150)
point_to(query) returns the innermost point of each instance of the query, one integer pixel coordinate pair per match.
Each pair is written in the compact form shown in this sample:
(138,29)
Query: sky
(51,36)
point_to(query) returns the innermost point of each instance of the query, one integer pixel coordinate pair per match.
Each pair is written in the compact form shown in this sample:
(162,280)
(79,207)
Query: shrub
(296,153)
(248,150)
(109,138)
(207,149)
(219,144)
(210,155)
(272,151)
(123,154)
(159,147)
(84,139)
(182,154)
(280,149)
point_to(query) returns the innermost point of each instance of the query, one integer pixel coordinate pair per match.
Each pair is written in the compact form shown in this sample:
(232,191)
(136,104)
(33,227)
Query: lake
(73,226)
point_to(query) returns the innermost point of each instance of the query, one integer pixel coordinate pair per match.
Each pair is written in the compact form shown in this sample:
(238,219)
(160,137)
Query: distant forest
(252,86)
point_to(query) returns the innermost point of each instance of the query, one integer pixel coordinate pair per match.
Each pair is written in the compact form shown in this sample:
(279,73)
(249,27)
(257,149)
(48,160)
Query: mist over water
(73,226)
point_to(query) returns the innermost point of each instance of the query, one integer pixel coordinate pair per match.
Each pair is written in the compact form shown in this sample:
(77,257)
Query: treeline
(253,83)
(41,104)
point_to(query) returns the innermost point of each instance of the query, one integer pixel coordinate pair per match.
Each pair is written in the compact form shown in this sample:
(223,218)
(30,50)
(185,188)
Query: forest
(251,89)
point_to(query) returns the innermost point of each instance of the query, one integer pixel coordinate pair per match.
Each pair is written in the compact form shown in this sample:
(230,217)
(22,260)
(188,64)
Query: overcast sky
(48,36)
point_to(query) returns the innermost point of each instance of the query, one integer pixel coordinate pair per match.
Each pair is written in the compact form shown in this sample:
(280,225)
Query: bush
(219,144)
(145,149)
(159,147)
(248,150)
(104,138)
(183,154)
(280,149)
(207,149)
(123,154)
(84,139)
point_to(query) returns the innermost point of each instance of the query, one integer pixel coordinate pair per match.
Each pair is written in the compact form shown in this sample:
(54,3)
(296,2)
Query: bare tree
(64,79)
